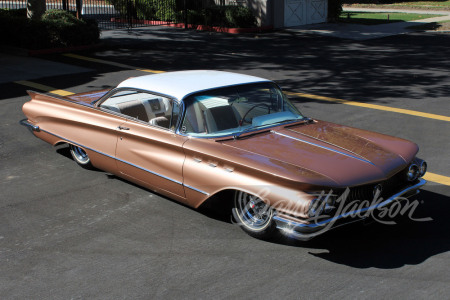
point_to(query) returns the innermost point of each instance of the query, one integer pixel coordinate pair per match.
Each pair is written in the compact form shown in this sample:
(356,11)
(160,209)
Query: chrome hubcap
(253,212)
(80,155)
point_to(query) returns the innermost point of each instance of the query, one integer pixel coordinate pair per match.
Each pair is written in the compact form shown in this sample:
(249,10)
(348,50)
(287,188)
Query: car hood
(346,156)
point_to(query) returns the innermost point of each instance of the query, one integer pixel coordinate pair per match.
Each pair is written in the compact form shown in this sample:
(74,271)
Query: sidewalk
(360,32)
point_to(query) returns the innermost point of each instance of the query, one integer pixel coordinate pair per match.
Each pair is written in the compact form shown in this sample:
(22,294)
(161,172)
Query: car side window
(154,109)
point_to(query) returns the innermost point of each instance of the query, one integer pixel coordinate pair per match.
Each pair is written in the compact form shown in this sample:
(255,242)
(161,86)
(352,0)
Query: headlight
(413,172)
(322,203)
(423,168)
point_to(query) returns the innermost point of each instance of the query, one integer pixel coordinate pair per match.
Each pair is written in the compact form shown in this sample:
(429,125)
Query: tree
(35,9)
(334,10)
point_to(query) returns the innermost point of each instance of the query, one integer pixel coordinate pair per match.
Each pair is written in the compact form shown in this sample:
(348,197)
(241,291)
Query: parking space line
(445,180)
(45,88)
(303,95)
(111,63)
(150,71)
(428,176)
(372,106)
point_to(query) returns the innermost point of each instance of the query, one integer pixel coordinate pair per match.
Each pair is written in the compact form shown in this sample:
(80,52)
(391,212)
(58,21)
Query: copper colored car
(200,135)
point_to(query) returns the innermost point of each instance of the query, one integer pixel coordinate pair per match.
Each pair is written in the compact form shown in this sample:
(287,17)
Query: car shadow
(376,245)
(64,150)
(408,242)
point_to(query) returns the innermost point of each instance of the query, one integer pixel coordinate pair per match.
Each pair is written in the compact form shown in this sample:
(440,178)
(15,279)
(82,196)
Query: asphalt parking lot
(69,233)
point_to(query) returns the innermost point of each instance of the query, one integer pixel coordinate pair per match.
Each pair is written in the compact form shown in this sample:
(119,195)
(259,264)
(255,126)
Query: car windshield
(237,109)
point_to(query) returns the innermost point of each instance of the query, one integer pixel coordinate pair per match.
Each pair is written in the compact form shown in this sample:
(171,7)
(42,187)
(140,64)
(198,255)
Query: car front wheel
(254,216)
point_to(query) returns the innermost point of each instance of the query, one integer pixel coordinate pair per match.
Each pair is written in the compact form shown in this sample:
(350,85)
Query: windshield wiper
(304,119)
(237,135)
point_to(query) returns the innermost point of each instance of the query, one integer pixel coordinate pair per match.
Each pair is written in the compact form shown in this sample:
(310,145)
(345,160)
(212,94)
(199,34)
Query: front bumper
(308,230)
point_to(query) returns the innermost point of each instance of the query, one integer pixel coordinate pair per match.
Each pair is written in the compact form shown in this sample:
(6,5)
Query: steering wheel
(241,121)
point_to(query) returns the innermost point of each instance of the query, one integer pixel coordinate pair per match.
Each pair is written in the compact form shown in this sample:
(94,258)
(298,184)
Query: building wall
(284,13)
(278,13)
(260,9)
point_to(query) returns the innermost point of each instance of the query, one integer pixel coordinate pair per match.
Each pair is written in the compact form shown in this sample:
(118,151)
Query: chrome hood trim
(323,147)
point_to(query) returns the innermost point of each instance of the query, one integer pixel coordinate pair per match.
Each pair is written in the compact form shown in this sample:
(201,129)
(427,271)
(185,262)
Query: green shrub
(56,29)
(142,9)
(165,10)
(60,16)
(214,16)
(172,11)
(195,17)
(227,16)
(239,16)
(64,29)
(22,12)
(161,10)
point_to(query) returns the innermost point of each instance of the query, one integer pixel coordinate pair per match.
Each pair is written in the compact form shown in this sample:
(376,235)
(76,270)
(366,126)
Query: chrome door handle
(123,128)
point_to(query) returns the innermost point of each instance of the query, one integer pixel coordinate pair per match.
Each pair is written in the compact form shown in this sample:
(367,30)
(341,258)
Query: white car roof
(182,83)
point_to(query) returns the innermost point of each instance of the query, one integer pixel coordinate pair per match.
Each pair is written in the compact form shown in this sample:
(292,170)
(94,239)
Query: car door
(148,150)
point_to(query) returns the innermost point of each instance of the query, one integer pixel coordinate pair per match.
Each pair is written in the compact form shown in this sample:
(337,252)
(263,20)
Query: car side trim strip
(197,190)
(323,147)
(124,161)
(144,169)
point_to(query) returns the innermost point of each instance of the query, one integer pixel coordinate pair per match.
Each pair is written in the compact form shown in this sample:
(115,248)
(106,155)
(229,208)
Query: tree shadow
(374,71)
(407,67)
(369,71)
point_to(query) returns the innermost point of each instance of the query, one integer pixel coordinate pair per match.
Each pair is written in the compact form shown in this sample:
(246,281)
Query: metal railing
(111,14)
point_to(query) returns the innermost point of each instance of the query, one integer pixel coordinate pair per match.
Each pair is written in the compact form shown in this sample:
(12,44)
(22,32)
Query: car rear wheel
(254,216)
(80,157)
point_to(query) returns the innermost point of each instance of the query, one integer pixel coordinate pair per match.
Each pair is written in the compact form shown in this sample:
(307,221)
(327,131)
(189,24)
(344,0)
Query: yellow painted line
(150,71)
(428,176)
(373,106)
(45,88)
(437,178)
(111,63)
(310,96)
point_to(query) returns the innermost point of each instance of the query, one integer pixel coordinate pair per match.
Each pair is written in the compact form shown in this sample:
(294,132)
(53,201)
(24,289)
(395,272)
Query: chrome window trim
(112,92)
(102,99)
(231,136)
(178,131)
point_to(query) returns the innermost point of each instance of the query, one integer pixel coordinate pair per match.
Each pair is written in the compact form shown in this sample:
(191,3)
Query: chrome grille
(390,186)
